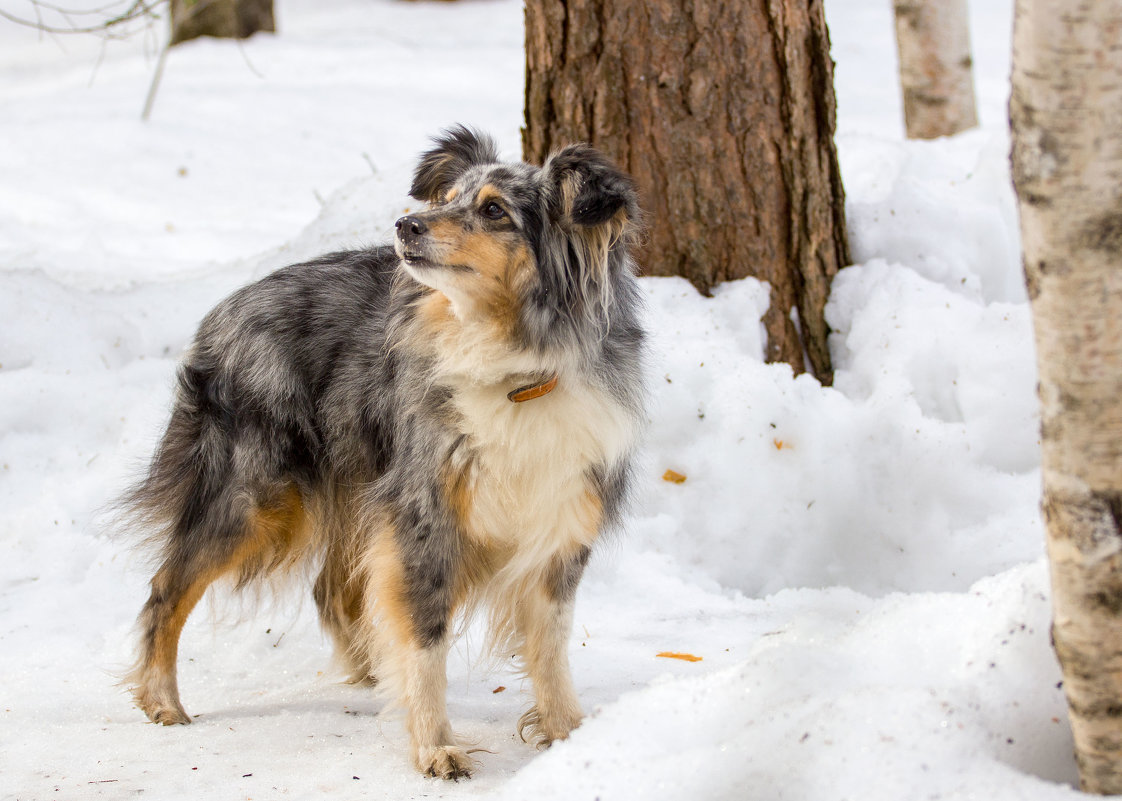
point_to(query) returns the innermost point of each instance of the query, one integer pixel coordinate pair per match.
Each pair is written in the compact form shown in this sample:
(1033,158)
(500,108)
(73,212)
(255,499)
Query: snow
(859,567)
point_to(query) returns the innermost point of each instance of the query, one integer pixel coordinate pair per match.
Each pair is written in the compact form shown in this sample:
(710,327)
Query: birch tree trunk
(936,70)
(1067,167)
(724,114)
(231,19)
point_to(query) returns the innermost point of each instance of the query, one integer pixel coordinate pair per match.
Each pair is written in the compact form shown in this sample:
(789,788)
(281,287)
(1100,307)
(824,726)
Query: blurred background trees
(233,19)
(230,19)
(936,68)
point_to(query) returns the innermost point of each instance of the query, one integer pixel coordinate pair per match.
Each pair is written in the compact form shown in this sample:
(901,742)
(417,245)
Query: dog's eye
(493,211)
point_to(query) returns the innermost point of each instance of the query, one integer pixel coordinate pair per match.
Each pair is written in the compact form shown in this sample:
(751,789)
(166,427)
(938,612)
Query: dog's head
(533,246)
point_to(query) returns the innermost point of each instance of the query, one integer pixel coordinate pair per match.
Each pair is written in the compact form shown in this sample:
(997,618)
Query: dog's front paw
(445,762)
(540,730)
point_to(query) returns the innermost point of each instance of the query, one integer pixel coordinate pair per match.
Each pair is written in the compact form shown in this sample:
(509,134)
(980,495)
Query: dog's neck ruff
(533,390)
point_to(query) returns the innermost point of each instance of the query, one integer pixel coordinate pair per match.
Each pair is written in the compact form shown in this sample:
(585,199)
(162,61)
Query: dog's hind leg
(338,594)
(176,588)
(250,541)
(340,589)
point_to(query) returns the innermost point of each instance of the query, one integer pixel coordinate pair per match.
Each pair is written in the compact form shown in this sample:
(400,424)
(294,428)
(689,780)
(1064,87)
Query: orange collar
(534,390)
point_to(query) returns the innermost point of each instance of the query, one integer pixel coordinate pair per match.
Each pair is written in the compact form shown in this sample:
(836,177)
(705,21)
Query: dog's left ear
(457,149)
(587,189)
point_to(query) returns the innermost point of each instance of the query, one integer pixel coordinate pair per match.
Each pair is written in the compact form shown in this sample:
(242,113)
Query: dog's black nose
(409,228)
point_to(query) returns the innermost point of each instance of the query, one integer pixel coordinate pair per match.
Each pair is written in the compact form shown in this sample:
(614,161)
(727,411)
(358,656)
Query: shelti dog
(437,426)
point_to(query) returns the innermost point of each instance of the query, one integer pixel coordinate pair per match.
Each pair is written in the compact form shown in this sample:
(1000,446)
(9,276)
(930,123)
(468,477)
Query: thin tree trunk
(231,19)
(936,70)
(724,114)
(1067,168)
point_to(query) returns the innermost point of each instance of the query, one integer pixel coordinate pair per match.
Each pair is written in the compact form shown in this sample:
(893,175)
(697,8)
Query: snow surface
(859,567)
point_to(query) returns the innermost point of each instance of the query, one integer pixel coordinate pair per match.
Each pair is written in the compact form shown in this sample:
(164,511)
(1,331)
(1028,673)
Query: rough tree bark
(1067,168)
(936,70)
(724,114)
(231,19)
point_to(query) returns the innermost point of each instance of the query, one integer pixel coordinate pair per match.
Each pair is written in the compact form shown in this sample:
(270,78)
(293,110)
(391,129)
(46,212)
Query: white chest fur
(528,475)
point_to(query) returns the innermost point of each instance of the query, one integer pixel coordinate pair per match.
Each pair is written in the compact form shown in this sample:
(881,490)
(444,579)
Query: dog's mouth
(415,259)
(420,257)
(412,254)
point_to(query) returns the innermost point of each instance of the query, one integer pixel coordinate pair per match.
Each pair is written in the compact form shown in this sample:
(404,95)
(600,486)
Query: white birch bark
(936,69)
(1065,111)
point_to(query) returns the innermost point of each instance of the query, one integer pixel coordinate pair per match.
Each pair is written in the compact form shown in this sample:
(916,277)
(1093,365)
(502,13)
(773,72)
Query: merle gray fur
(318,380)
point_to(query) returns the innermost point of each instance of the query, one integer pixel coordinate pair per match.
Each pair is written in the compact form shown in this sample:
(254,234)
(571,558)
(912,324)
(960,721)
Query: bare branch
(109,16)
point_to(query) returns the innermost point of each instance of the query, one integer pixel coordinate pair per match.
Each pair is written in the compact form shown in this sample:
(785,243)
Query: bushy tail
(189,492)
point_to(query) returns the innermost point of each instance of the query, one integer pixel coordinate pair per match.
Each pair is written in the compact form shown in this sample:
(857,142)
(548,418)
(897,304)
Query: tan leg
(270,536)
(435,752)
(544,624)
(153,680)
(413,661)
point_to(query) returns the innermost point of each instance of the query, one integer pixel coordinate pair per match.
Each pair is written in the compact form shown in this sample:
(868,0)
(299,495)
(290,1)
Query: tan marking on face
(501,269)
(487,193)
(451,195)
(504,305)
(482,251)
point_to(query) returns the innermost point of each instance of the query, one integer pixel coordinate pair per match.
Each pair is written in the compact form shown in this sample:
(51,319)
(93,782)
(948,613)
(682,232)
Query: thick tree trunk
(1067,167)
(936,70)
(724,114)
(231,19)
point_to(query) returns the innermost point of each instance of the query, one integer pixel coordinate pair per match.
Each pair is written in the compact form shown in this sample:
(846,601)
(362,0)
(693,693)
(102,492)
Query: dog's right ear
(457,149)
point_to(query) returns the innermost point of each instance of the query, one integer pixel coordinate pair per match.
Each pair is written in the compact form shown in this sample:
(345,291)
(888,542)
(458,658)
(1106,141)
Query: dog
(438,427)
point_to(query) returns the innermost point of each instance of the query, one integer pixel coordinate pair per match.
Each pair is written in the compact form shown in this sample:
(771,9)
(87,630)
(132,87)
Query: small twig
(151,98)
(97,64)
(248,63)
